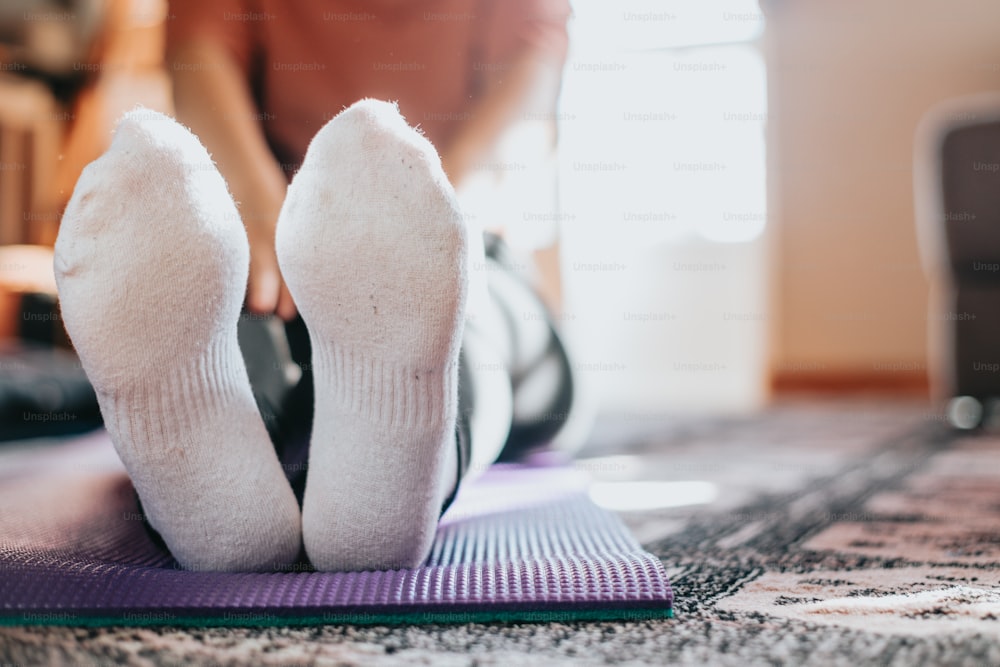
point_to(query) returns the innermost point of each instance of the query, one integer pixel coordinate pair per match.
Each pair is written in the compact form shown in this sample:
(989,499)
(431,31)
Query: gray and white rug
(816,533)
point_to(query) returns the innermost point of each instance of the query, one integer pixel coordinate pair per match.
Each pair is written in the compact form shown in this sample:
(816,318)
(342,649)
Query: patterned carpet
(834,534)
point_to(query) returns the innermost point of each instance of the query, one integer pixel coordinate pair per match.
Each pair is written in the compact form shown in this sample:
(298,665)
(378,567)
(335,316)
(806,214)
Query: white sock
(151,263)
(375,253)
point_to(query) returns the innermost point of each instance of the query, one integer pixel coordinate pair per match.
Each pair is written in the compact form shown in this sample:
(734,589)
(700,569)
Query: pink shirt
(308,59)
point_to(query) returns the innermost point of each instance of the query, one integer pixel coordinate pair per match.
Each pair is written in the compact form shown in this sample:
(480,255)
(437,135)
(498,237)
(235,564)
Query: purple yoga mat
(520,543)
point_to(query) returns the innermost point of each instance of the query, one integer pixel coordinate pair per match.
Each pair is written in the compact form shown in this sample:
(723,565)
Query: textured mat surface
(520,543)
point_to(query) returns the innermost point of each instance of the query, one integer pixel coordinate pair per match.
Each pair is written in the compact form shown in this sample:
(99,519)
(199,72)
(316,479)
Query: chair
(957,192)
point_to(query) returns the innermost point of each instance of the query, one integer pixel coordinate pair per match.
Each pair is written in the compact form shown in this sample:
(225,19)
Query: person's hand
(266,290)
(214,100)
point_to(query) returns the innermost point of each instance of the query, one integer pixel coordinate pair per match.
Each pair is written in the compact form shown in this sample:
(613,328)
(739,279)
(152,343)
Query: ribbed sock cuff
(192,393)
(397,395)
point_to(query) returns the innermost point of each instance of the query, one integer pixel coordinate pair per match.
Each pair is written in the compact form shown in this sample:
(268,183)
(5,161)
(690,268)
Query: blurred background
(733,209)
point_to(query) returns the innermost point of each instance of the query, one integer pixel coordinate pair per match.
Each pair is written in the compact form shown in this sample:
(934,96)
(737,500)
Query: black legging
(287,407)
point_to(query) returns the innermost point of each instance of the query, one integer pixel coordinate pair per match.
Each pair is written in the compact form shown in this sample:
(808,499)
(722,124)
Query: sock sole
(375,255)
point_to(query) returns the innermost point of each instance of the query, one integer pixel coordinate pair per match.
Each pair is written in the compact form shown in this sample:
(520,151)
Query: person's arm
(528,89)
(212,97)
(521,99)
(527,41)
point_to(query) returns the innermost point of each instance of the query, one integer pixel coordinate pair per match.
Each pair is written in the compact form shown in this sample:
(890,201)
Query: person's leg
(485,398)
(375,253)
(278,362)
(151,263)
(522,331)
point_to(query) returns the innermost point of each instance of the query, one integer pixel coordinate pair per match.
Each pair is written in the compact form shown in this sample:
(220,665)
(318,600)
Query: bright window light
(643,496)
(659,143)
(635,25)
(663,204)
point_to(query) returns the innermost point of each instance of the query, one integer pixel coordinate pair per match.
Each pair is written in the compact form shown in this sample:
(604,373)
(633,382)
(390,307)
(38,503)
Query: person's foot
(374,250)
(151,263)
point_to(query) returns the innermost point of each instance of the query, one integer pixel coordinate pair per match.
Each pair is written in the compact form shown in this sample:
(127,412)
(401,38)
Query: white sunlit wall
(662,205)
